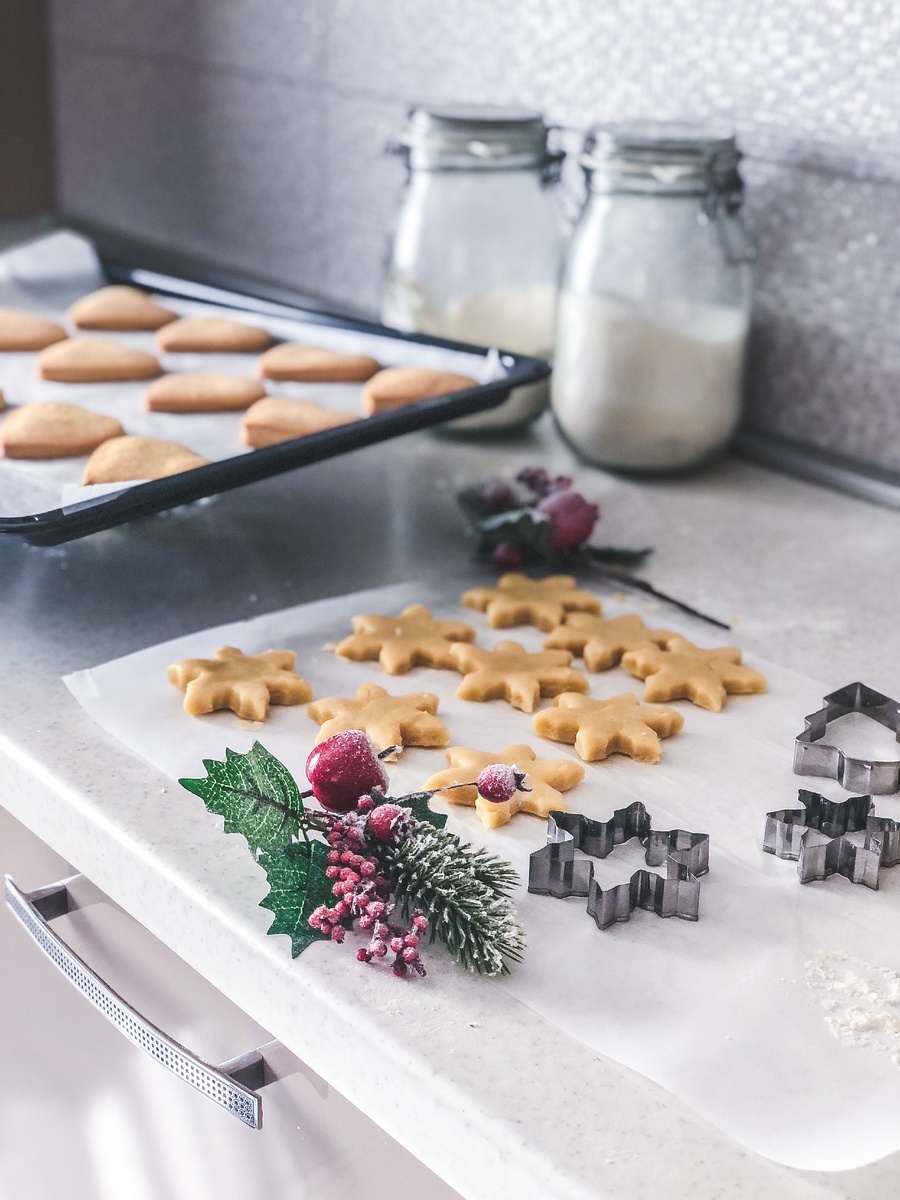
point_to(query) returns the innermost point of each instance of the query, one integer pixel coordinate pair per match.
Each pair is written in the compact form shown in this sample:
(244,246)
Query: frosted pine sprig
(464,893)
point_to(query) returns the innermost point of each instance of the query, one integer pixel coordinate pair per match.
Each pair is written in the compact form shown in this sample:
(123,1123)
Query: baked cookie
(202,391)
(598,728)
(119,308)
(547,780)
(124,458)
(510,673)
(245,683)
(685,672)
(519,600)
(602,643)
(314,364)
(277,419)
(414,639)
(395,387)
(95,360)
(210,335)
(407,720)
(24,331)
(2,402)
(55,430)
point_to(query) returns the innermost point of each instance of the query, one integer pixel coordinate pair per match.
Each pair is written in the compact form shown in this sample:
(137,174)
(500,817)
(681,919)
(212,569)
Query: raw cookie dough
(95,360)
(277,419)
(395,387)
(24,331)
(202,391)
(598,728)
(509,672)
(52,429)
(548,779)
(413,639)
(119,308)
(209,335)
(245,683)
(602,643)
(407,720)
(684,671)
(124,458)
(519,600)
(314,364)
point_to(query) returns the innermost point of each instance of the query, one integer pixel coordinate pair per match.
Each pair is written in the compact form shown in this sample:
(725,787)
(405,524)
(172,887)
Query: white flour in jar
(511,318)
(644,389)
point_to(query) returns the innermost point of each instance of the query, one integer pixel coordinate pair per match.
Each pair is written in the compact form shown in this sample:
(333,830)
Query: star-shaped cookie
(598,728)
(547,779)
(518,600)
(684,671)
(245,683)
(602,643)
(413,639)
(388,720)
(510,673)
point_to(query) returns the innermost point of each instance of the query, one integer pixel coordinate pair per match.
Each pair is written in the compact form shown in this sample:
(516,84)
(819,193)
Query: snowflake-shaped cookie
(684,671)
(518,600)
(407,720)
(510,673)
(547,780)
(600,642)
(598,728)
(413,639)
(245,683)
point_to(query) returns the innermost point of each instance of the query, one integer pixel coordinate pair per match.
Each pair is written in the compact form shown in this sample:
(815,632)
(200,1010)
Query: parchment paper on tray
(726,1013)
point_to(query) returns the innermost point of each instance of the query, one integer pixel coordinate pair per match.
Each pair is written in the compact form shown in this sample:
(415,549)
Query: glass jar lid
(473,137)
(673,156)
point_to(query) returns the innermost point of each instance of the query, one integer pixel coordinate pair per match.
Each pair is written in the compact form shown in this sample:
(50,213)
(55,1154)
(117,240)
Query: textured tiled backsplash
(251,132)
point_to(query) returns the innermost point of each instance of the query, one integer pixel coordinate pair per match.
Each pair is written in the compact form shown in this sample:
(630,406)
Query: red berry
(362,954)
(343,768)
(572,518)
(499,782)
(507,556)
(398,968)
(386,822)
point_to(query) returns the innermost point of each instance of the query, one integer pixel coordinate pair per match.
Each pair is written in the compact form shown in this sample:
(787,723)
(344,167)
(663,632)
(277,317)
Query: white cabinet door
(86,1115)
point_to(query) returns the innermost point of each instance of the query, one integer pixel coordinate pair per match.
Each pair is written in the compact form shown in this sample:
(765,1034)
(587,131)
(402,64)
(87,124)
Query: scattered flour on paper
(861,1001)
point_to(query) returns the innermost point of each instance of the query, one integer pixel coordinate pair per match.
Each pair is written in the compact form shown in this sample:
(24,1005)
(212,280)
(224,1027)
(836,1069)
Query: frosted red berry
(500,782)
(507,556)
(387,822)
(343,768)
(572,518)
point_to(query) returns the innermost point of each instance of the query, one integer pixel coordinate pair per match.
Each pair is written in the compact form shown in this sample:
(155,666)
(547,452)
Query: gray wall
(250,131)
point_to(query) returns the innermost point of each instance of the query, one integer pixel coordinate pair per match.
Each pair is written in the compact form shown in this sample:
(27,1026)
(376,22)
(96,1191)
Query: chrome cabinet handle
(232,1084)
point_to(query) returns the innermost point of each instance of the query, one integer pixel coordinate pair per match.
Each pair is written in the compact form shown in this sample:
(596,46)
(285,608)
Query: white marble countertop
(489,1095)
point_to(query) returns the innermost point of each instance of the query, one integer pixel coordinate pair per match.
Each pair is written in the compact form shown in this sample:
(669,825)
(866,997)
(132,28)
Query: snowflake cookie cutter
(820,837)
(555,871)
(812,756)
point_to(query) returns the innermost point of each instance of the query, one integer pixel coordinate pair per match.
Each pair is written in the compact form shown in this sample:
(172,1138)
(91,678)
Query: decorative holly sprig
(536,518)
(385,864)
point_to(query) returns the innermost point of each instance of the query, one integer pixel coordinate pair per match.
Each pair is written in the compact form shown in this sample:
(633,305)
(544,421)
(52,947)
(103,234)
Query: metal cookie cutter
(819,837)
(554,870)
(812,756)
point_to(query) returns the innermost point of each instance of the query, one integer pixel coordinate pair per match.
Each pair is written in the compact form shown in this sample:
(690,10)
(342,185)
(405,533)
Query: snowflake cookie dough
(519,600)
(598,728)
(685,672)
(509,672)
(602,643)
(245,683)
(547,781)
(407,720)
(413,639)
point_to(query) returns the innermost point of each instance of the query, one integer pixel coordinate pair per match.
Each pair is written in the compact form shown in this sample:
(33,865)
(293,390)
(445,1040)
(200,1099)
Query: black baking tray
(167,273)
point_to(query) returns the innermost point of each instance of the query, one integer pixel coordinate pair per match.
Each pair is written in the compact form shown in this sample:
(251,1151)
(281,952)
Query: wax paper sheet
(737,1014)
(45,277)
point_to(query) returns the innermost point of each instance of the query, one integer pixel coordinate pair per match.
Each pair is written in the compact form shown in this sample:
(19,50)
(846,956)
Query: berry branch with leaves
(384,864)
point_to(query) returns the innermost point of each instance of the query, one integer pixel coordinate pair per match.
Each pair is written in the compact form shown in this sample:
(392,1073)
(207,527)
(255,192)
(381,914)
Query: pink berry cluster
(403,944)
(362,892)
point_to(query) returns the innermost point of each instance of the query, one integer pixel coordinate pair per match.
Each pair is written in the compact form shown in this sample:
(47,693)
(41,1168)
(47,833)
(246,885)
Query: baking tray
(168,275)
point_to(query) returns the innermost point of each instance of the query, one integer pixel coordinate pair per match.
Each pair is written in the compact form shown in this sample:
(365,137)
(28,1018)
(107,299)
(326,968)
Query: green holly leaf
(417,803)
(297,886)
(255,793)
